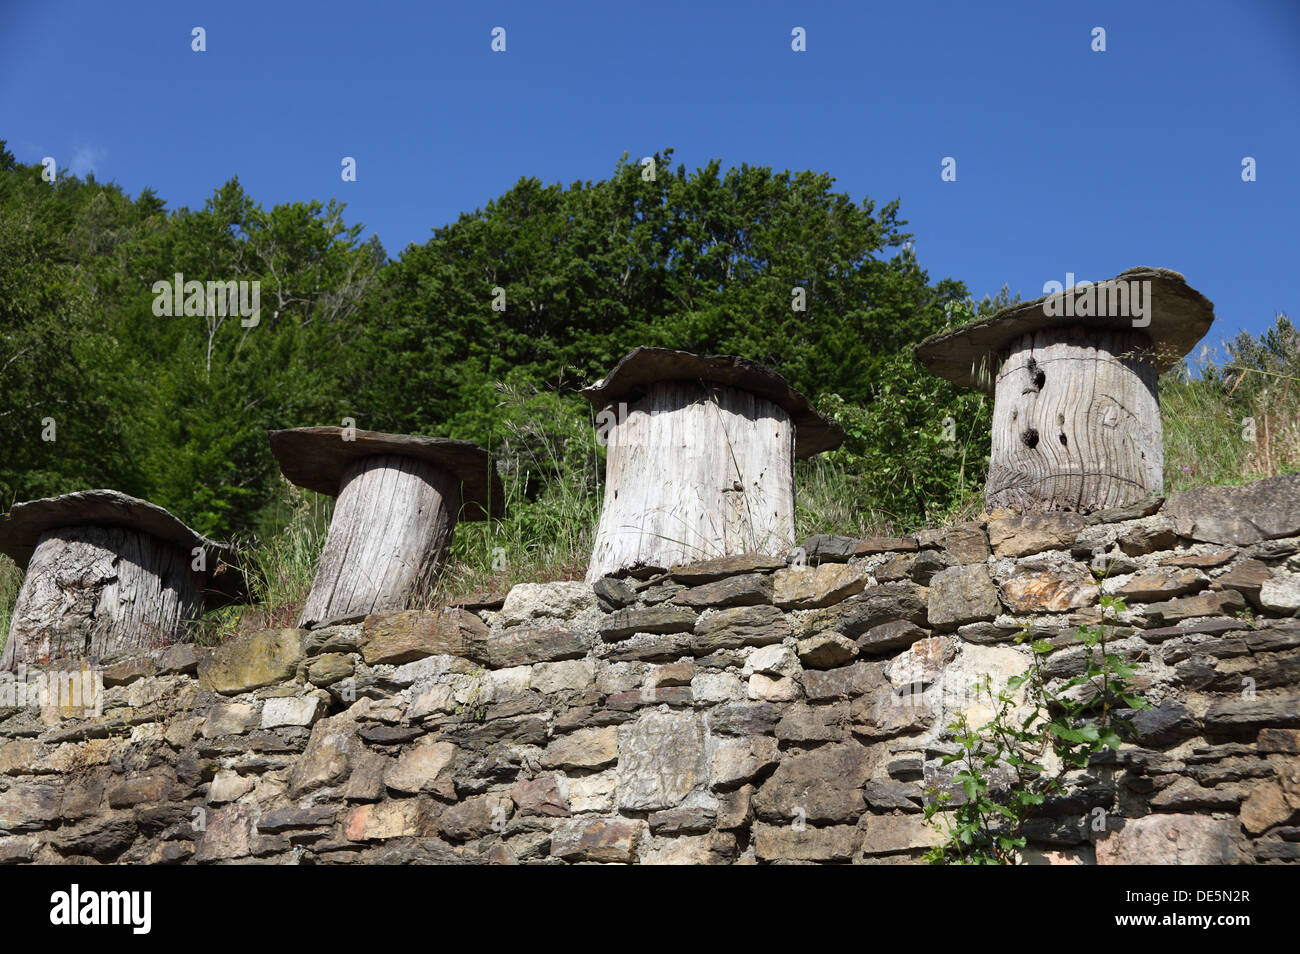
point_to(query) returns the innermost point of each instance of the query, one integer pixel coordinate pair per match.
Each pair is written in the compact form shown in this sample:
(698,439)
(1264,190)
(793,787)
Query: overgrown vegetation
(485,332)
(1009,768)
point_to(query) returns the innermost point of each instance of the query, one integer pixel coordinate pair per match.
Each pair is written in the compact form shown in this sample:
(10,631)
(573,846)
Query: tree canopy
(542,290)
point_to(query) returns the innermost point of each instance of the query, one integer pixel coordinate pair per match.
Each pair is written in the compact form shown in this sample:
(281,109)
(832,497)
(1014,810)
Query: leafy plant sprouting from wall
(1003,767)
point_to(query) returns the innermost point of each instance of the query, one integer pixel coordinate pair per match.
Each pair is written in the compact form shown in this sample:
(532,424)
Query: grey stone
(650,619)
(661,759)
(1262,510)
(961,595)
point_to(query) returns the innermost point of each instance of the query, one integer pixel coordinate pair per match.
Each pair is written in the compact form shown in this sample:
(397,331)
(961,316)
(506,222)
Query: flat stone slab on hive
(24,524)
(317,457)
(814,433)
(969,355)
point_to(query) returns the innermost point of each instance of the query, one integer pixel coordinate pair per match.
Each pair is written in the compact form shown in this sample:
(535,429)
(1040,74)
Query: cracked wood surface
(1076,423)
(392,523)
(693,472)
(94,591)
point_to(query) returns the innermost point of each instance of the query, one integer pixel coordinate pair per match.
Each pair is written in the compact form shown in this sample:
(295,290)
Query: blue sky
(1068,160)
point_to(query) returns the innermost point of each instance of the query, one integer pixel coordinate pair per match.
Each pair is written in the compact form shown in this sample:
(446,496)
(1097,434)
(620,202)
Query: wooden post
(399,498)
(105,573)
(1076,413)
(699,459)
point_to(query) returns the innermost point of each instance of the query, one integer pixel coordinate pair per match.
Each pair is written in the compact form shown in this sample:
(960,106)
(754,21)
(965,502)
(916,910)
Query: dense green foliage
(541,291)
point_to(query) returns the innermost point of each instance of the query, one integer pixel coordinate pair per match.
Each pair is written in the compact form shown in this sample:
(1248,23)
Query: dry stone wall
(733,711)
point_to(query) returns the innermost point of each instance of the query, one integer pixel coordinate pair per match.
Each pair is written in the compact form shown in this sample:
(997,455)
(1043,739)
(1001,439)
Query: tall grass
(279,570)
(550,465)
(10,579)
(1234,424)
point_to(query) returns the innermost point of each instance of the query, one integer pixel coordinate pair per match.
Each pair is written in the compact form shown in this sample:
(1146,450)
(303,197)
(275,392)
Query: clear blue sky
(1068,160)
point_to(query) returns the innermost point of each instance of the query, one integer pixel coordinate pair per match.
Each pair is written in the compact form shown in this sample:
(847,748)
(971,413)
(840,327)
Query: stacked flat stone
(728,711)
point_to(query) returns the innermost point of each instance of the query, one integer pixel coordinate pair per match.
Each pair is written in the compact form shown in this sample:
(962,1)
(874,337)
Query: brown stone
(379,821)
(808,587)
(1050,591)
(540,796)
(709,571)
(739,626)
(749,589)
(873,606)
(397,638)
(583,749)
(1138,541)
(260,659)
(328,757)
(1265,807)
(888,637)
(138,789)
(1223,603)
(921,663)
(1171,840)
(128,671)
(1159,584)
(524,645)
(597,839)
(891,834)
(1201,561)
(1263,510)
(1019,536)
(805,844)
(1285,741)
(650,619)
(28,807)
(846,682)
(961,595)
(870,545)
(426,766)
(963,543)
(1247,578)
(822,785)
(227,834)
(476,816)
(825,651)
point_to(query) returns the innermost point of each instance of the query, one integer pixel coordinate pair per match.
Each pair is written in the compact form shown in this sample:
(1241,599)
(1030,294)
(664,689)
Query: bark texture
(392,523)
(93,591)
(695,471)
(1076,422)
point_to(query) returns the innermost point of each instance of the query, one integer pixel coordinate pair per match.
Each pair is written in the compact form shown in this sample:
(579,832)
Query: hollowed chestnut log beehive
(700,458)
(1076,409)
(399,499)
(107,572)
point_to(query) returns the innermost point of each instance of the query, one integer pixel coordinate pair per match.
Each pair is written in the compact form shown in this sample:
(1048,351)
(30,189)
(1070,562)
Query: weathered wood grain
(1179,317)
(642,367)
(695,471)
(91,592)
(392,523)
(1076,422)
(318,458)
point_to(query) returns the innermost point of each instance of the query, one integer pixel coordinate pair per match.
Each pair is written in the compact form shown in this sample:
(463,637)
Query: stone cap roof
(317,458)
(1179,317)
(21,528)
(814,433)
